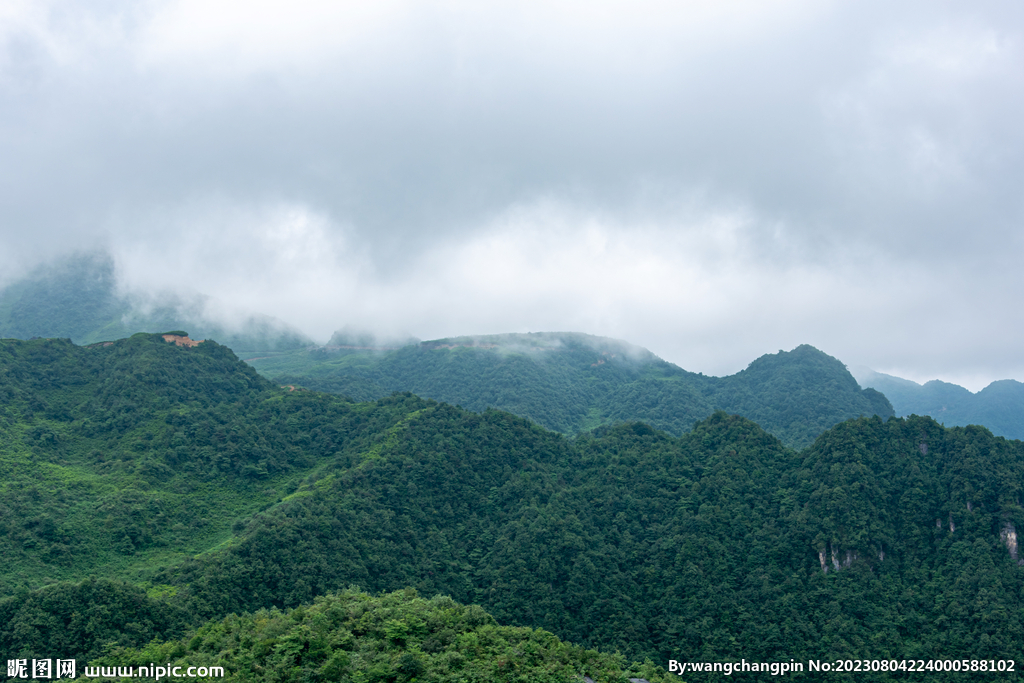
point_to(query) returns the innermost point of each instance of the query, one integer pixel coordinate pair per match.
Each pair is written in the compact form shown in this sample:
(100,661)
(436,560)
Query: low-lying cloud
(710,180)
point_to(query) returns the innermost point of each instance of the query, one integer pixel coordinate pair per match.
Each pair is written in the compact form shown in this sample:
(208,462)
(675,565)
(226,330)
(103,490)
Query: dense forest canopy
(391,637)
(199,489)
(571,382)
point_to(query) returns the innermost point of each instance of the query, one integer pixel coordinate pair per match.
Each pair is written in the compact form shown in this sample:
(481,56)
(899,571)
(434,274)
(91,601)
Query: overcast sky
(712,180)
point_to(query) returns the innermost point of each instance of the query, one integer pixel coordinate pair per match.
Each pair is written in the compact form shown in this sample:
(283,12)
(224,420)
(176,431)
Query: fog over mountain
(710,180)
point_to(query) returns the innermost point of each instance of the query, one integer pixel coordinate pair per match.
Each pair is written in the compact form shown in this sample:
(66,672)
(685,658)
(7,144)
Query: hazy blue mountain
(78,298)
(572,382)
(75,299)
(999,406)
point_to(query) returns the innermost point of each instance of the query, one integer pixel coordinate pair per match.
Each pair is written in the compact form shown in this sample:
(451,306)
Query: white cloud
(303,34)
(945,51)
(283,260)
(713,180)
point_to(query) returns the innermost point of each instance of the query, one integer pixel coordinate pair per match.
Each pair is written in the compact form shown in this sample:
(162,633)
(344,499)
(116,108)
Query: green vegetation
(571,382)
(84,619)
(999,406)
(706,545)
(395,637)
(566,382)
(119,457)
(199,490)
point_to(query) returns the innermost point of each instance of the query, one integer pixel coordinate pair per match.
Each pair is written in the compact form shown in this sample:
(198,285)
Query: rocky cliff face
(1009,538)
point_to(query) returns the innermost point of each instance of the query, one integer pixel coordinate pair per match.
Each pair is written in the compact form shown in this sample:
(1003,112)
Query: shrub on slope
(353,636)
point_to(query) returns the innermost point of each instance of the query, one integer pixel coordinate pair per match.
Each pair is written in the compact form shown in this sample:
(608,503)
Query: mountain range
(571,382)
(568,382)
(200,490)
(999,406)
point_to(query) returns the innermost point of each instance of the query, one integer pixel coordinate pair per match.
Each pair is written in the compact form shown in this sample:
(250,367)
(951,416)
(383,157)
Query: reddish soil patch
(182,341)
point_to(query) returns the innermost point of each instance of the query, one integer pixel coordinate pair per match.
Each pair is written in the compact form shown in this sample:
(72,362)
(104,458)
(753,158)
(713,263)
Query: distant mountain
(568,382)
(572,382)
(78,298)
(999,406)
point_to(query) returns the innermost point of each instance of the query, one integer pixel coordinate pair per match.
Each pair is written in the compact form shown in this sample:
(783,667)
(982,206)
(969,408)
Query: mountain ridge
(207,490)
(79,298)
(998,406)
(572,382)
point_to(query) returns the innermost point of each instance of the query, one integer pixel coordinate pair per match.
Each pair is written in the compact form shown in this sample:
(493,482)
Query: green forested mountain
(394,637)
(567,382)
(78,298)
(199,490)
(999,406)
(120,455)
(572,382)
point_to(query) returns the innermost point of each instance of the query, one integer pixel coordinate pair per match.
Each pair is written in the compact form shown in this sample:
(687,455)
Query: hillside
(999,406)
(721,544)
(567,382)
(201,490)
(398,636)
(123,455)
(571,382)
(78,298)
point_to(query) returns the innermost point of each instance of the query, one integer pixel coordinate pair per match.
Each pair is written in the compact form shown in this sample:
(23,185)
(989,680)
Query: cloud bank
(711,180)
